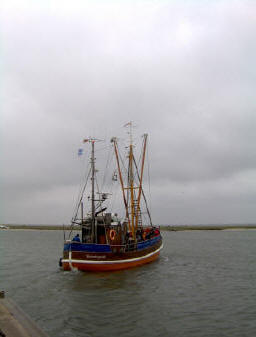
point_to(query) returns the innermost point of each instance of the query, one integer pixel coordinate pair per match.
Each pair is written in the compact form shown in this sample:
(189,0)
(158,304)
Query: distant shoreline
(38,227)
(173,228)
(206,227)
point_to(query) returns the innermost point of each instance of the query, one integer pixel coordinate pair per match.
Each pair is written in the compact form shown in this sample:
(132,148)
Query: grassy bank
(38,227)
(205,227)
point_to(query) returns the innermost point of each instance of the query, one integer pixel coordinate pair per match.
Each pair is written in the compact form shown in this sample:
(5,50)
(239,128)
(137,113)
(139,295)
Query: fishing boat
(108,242)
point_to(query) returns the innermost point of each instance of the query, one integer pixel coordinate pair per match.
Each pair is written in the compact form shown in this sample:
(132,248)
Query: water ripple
(202,285)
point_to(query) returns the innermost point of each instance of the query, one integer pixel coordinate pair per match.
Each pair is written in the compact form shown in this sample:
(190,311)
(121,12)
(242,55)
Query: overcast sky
(183,71)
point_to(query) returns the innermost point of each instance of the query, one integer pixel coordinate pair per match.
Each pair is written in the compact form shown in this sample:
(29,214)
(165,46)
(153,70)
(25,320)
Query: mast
(121,181)
(92,141)
(134,190)
(93,186)
(131,187)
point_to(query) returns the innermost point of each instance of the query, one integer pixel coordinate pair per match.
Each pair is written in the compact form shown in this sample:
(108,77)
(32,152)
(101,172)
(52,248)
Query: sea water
(204,284)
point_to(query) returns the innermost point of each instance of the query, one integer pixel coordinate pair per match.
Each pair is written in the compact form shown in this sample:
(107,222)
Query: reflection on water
(202,285)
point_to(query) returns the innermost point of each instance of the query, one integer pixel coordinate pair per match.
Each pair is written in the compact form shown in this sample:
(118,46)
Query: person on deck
(157,232)
(139,235)
(76,238)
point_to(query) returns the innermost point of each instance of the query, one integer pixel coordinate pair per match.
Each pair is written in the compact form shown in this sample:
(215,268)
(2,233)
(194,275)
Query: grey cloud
(184,72)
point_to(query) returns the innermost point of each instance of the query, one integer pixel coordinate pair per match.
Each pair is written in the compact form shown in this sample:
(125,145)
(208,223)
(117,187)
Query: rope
(79,203)
(109,160)
(143,194)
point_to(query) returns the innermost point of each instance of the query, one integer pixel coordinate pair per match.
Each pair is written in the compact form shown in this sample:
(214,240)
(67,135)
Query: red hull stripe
(111,261)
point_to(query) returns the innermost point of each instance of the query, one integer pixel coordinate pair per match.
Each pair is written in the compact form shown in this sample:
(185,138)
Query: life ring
(112,234)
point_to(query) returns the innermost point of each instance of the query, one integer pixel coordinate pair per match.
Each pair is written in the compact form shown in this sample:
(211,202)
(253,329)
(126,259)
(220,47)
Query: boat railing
(127,246)
(133,245)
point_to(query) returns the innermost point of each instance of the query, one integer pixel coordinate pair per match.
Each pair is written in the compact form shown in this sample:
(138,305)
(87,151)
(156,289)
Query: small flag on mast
(80,152)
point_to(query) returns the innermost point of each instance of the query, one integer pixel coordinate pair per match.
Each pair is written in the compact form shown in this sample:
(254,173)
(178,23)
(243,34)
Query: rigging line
(96,181)
(102,148)
(98,190)
(109,160)
(149,182)
(112,193)
(141,152)
(81,196)
(145,218)
(77,203)
(143,194)
(112,186)
(99,205)
(77,208)
(113,201)
(81,184)
(123,168)
(112,183)
(122,162)
(86,160)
